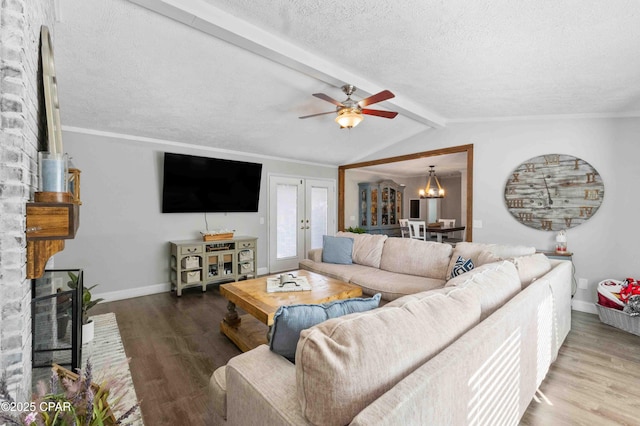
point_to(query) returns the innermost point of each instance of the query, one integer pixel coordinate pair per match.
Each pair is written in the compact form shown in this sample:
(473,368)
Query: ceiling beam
(211,20)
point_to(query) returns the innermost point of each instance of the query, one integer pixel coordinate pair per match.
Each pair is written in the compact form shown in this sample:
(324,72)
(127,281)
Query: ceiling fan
(350,113)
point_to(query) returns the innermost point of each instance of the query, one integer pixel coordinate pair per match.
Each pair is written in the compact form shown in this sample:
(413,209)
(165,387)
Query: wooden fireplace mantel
(52,218)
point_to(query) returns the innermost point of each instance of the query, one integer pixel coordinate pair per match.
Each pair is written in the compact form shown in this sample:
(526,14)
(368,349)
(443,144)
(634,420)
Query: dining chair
(405,231)
(448,223)
(414,229)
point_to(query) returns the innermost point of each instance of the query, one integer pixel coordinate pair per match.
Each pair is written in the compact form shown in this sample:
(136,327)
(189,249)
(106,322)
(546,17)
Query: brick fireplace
(22,133)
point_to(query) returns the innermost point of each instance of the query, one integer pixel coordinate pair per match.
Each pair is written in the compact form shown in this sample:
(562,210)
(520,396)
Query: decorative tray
(293,284)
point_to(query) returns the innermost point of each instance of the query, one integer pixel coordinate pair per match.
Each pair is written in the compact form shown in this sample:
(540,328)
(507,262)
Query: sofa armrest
(261,390)
(218,391)
(560,279)
(315,255)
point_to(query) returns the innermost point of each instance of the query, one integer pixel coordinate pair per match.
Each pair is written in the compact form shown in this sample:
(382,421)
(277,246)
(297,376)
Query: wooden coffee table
(249,331)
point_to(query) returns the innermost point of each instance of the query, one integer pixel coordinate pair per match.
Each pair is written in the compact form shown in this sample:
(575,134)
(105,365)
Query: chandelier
(430,191)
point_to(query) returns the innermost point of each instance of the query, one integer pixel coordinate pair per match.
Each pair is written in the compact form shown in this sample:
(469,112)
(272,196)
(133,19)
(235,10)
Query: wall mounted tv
(201,184)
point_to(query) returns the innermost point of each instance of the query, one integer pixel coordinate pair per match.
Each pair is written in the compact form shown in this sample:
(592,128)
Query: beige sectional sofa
(396,267)
(467,350)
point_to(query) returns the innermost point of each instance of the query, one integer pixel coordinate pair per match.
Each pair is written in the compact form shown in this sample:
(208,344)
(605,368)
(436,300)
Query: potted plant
(87,304)
(356,230)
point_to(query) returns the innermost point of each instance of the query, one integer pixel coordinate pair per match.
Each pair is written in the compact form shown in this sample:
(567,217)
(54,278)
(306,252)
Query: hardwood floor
(594,381)
(175,345)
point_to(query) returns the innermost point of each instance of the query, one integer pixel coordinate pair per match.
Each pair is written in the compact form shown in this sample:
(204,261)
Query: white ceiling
(237,74)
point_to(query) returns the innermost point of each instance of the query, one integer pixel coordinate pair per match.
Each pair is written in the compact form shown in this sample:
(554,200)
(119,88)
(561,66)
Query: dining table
(440,231)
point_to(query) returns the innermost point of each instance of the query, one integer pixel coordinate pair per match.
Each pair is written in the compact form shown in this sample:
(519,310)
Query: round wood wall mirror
(52,106)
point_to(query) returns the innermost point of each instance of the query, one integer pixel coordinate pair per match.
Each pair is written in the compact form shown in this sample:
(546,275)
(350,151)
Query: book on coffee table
(293,284)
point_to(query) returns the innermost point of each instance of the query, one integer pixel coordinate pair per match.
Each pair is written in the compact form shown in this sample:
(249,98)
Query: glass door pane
(392,206)
(363,208)
(319,215)
(287,221)
(374,207)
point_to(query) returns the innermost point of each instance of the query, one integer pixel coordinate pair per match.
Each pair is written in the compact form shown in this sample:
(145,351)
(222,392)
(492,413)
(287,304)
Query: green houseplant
(87,303)
(356,230)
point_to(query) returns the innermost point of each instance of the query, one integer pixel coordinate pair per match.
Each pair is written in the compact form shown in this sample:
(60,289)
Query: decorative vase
(87,332)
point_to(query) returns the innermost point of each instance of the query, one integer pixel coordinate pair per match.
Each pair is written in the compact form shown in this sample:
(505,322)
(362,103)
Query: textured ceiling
(126,69)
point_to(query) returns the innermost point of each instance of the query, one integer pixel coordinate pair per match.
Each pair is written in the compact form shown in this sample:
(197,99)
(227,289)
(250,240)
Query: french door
(301,211)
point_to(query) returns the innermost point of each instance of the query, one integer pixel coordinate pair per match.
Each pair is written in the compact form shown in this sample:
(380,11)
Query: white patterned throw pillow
(461,266)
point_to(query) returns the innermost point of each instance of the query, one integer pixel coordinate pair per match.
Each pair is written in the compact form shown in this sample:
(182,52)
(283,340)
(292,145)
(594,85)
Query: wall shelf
(51,219)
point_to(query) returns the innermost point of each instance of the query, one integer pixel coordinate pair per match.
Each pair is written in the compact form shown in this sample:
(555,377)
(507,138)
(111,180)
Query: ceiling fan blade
(315,115)
(328,99)
(379,113)
(378,97)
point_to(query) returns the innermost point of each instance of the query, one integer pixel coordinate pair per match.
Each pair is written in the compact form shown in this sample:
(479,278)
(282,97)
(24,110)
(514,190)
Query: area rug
(110,361)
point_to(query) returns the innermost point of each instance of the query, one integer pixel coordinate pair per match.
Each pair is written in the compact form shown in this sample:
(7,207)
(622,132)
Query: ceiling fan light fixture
(349,117)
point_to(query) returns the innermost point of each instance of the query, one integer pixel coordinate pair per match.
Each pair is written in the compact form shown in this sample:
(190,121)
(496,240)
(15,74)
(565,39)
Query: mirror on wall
(454,168)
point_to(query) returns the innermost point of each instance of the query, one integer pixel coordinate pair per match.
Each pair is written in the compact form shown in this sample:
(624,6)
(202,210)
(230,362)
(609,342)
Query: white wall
(122,243)
(604,247)
(451,205)
(122,240)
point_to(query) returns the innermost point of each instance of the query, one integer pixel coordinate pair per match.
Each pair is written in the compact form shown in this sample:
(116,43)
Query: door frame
(468,149)
(332,228)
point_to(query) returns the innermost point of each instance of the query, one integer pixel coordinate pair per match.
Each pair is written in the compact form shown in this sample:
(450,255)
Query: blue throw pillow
(289,321)
(337,250)
(461,266)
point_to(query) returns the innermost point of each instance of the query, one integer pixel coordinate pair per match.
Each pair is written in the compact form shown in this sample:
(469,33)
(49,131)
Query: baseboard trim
(112,296)
(582,306)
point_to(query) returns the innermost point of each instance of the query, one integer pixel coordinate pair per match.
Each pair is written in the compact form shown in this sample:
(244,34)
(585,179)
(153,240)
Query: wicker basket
(619,319)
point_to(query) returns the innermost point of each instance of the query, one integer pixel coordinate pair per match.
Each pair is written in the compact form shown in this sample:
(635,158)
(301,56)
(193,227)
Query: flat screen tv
(201,184)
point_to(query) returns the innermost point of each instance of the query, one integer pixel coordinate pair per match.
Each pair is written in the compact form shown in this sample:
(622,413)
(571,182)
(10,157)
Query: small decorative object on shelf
(74,185)
(561,242)
(217,234)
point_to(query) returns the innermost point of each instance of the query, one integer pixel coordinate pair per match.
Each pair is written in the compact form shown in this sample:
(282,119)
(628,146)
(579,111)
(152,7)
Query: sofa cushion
(481,253)
(504,251)
(392,284)
(495,283)
(333,270)
(416,257)
(531,267)
(337,250)
(315,254)
(461,266)
(401,301)
(346,363)
(289,321)
(367,248)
